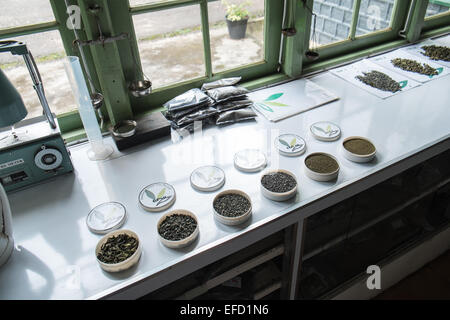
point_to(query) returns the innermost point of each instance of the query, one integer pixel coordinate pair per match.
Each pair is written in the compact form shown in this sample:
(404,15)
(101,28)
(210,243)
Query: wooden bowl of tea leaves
(232,207)
(321,166)
(358,149)
(178,228)
(118,250)
(278,185)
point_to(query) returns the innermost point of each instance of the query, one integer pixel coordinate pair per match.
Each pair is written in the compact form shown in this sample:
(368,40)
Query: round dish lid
(106,217)
(290,144)
(207,178)
(157,196)
(250,160)
(325,131)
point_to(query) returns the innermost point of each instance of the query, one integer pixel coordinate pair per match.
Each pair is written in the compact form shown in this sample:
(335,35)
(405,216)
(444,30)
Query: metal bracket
(101,41)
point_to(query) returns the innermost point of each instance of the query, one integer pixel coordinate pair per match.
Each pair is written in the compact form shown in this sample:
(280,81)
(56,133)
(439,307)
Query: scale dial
(48,158)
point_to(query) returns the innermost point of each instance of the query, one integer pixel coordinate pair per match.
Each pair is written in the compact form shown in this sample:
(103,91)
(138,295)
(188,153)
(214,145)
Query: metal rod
(280,55)
(83,57)
(38,86)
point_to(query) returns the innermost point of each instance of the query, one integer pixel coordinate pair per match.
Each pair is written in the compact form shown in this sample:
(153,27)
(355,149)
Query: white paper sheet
(384,60)
(296,97)
(349,73)
(416,50)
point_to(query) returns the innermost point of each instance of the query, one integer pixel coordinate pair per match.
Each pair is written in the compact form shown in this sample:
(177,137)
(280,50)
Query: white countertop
(54,255)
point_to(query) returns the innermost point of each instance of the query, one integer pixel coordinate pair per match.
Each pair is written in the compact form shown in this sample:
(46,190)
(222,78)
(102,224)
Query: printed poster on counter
(384,60)
(350,71)
(283,101)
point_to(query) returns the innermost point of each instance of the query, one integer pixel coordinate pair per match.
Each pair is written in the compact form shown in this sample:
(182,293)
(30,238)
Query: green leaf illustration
(264,107)
(403,83)
(320,129)
(276,104)
(201,176)
(274,96)
(293,142)
(284,143)
(150,194)
(161,193)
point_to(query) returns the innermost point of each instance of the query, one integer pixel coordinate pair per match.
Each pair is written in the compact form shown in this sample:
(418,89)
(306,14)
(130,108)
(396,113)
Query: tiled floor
(430,282)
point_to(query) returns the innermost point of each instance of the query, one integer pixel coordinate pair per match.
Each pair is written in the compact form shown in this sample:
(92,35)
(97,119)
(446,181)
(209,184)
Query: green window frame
(111,66)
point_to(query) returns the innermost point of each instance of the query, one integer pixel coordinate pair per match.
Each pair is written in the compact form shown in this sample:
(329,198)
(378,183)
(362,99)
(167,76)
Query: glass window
(171,45)
(374,16)
(12,13)
(48,52)
(436,7)
(333,21)
(239,43)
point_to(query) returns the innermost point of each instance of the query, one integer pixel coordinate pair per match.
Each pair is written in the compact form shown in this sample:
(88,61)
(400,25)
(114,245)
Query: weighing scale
(34,149)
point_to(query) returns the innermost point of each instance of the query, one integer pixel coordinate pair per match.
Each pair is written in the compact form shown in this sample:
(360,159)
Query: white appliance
(6,239)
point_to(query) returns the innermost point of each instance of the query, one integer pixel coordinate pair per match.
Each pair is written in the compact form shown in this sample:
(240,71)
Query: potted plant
(237,16)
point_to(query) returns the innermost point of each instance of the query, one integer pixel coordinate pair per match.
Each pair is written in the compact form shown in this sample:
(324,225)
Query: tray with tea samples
(416,67)
(375,79)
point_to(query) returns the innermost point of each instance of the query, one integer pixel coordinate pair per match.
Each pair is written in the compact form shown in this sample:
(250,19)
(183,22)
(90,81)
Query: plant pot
(237,29)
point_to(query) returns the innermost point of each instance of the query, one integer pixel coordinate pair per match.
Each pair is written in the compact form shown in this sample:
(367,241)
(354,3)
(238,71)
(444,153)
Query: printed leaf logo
(328,131)
(403,83)
(274,97)
(285,143)
(161,193)
(160,198)
(293,142)
(439,71)
(269,102)
(293,146)
(150,194)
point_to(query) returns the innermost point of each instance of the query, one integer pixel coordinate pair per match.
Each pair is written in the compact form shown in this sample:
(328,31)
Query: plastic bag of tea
(191,127)
(236,116)
(190,98)
(196,116)
(226,93)
(177,114)
(221,83)
(233,104)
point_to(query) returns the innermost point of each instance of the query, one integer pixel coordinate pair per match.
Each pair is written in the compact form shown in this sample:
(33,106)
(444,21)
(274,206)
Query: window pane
(437,7)
(48,51)
(374,15)
(15,13)
(171,45)
(228,53)
(333,21)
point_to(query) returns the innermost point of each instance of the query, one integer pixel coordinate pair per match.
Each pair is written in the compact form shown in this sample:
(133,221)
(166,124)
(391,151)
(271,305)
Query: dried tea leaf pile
(414,66)
(177,227)
(278,182)
(231,205)
(117,248)
(437,52)
(359,146)
(379,80)
(321,163)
